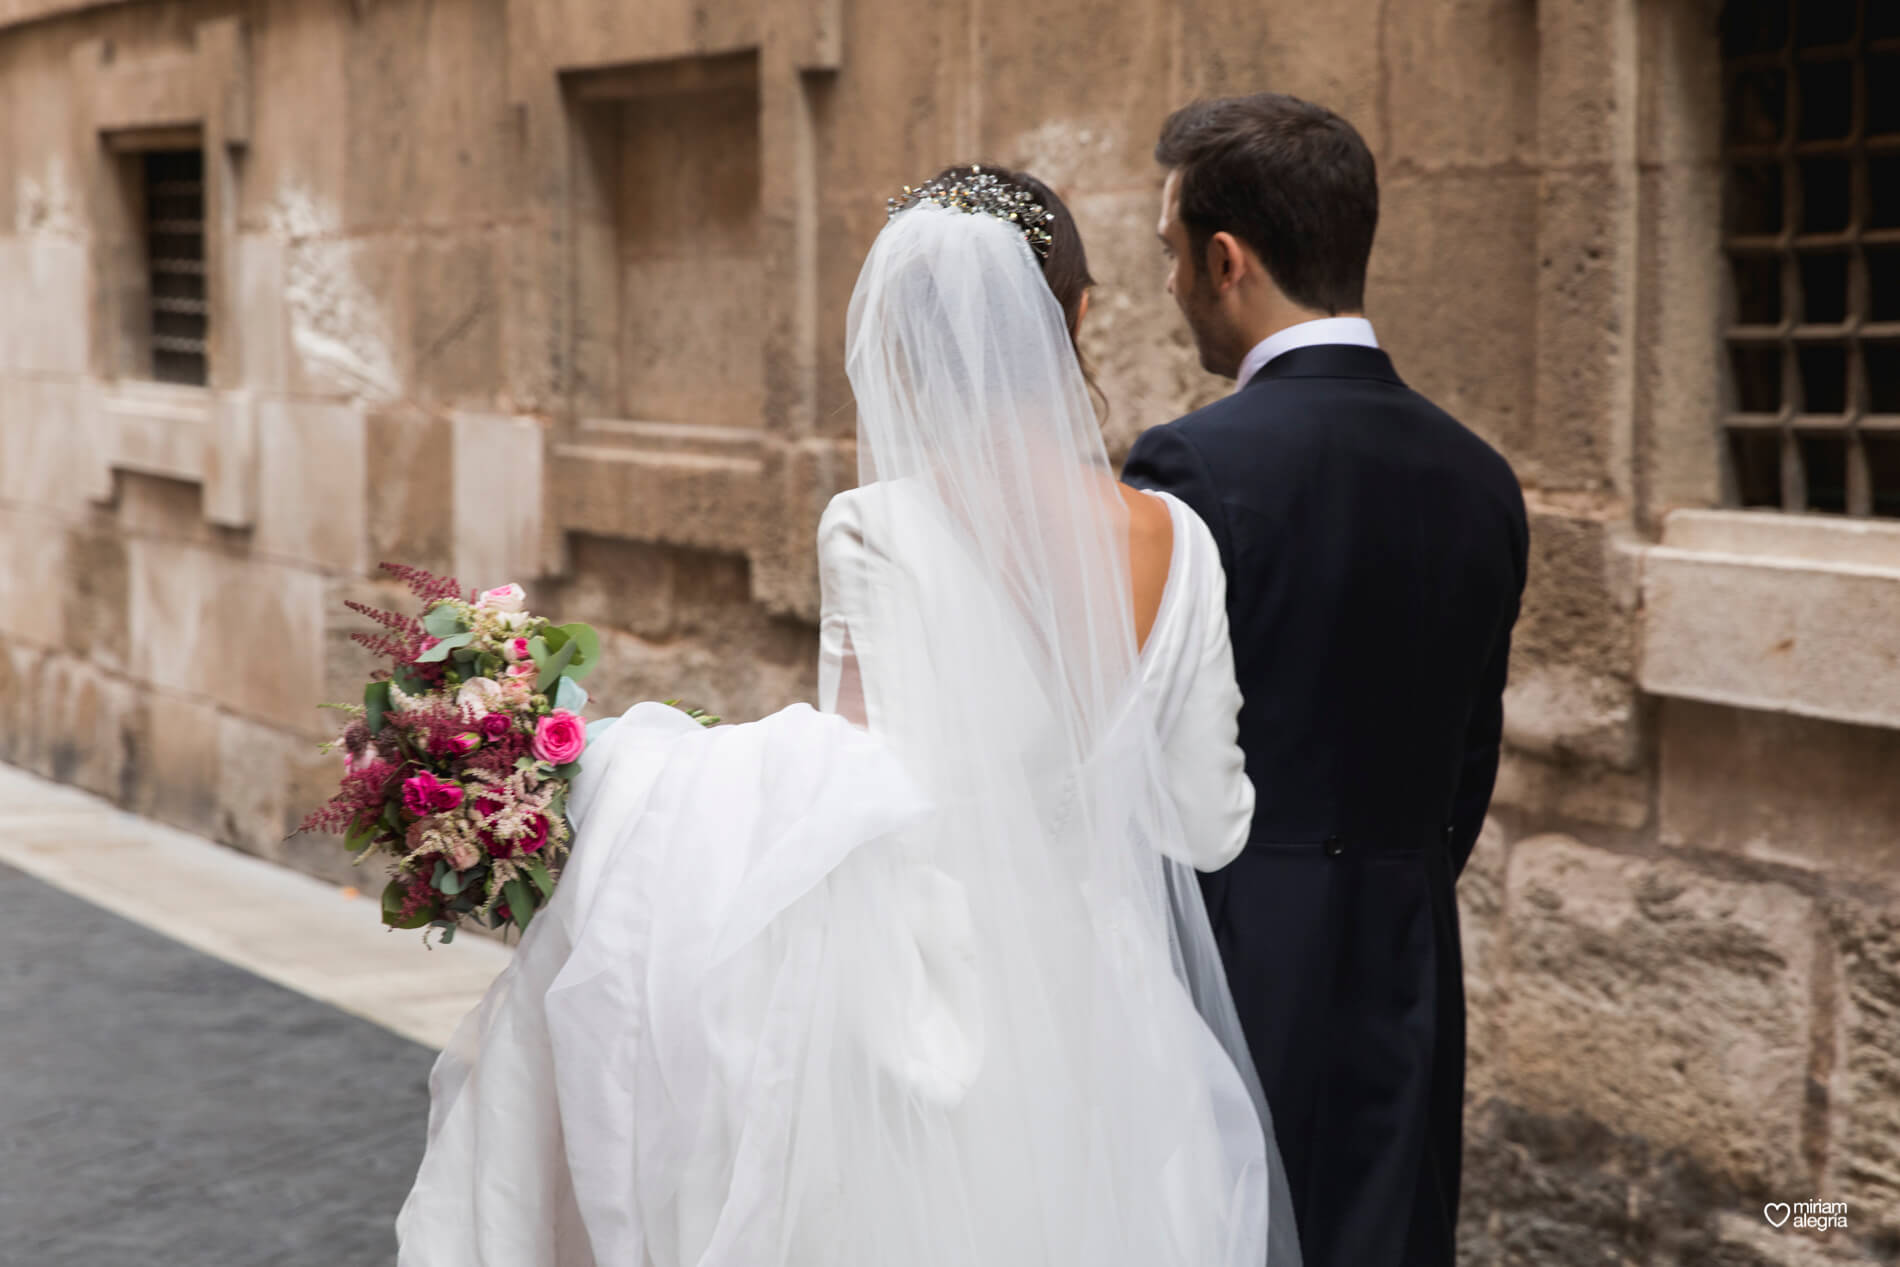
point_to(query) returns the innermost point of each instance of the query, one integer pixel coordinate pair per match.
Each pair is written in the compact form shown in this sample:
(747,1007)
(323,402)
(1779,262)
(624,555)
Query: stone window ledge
(1781,613)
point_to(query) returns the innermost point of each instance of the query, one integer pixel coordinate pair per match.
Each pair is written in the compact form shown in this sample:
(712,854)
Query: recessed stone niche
(669,320)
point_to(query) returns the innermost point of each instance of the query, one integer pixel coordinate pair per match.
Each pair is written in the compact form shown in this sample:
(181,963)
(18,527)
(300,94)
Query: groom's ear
(1227,261)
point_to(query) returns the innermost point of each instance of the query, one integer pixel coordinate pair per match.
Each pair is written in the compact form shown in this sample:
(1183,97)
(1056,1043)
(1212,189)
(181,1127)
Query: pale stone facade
(553,290)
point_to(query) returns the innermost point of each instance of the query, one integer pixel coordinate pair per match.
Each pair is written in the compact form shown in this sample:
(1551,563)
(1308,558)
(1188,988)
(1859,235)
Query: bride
(920,978)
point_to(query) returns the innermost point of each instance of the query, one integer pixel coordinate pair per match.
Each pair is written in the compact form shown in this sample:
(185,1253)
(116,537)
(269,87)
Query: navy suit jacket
(1375,553)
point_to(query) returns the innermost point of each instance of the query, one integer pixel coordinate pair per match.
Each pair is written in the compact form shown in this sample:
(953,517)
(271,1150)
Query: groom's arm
(1162,459)
(1484,733)
(1478,776)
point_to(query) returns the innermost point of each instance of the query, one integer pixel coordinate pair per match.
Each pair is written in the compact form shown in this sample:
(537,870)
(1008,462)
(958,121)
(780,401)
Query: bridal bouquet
(457,763)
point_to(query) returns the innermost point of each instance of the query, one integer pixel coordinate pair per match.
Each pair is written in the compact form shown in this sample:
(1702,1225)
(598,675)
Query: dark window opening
(1811,223)
(175,255)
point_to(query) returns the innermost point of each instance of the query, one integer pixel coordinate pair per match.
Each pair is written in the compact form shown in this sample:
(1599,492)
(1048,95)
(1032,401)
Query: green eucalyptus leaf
(440,651)
(375,704)
(360,836)
(567,771)
(555,666)
(443,621)
(587,644)
(520,901)
(569,694)
(451,884)
(538,872)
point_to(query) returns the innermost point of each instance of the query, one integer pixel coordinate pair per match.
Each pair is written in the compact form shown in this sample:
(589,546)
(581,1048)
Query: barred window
(175,255)
(1811,234)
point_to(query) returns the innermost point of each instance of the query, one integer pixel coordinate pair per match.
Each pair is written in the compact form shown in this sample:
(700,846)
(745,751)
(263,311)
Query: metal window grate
(175,248)
(1811,233)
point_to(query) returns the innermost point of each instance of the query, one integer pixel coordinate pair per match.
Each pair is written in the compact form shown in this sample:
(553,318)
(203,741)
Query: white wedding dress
(920,992)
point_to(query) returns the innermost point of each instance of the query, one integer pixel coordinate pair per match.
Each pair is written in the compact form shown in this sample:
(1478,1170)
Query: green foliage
(375,704)
(440,651)
(392,907)
(520,901)
(443,621)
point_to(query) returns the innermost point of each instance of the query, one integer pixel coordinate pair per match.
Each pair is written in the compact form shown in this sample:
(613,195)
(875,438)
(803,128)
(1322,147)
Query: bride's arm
(841,574)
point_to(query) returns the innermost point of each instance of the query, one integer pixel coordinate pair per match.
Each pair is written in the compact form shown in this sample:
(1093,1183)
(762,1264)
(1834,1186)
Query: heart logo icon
(1776,1212)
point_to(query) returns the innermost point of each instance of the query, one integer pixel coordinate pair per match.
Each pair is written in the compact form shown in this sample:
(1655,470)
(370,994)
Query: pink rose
(503,598)
(516,649)
(559,737)
(463,854)
(494,726)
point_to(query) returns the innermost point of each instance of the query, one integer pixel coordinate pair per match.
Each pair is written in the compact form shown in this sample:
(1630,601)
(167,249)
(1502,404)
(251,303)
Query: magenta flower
(460,745)
(494,726)
(559,737)
(537,835)
(425,794)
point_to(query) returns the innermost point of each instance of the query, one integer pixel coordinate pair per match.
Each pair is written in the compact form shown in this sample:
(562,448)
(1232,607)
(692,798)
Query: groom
(1375,555)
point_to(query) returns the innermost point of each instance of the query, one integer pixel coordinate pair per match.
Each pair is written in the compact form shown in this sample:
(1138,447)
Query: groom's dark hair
(1292,180)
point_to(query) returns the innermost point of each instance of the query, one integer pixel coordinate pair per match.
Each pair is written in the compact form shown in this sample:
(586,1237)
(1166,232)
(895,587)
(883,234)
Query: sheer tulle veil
(996,655)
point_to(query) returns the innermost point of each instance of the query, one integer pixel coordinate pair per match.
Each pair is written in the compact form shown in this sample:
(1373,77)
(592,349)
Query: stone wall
(554,290)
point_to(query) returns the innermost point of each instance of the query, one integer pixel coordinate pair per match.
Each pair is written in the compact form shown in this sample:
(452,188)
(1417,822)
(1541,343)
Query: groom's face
(1193,290)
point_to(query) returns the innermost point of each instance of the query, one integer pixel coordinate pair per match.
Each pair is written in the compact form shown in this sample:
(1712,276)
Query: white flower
(503,598)
(513,621)
(478,696)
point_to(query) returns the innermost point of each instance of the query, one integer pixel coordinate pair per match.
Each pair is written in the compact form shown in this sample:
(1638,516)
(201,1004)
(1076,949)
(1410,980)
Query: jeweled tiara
(985,193)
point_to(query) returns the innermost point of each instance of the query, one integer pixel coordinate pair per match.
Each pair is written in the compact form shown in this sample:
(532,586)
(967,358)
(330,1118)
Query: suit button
(1334,846)
(1451,833)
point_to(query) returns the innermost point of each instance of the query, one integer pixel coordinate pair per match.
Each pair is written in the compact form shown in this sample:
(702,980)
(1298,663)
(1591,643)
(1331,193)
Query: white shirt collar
(1356,331)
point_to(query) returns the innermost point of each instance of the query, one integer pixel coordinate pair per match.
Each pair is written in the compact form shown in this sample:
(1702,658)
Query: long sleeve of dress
(1188,672)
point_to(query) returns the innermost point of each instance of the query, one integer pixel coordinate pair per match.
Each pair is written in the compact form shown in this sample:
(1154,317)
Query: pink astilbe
(425,585)
(361,797)
(404,641)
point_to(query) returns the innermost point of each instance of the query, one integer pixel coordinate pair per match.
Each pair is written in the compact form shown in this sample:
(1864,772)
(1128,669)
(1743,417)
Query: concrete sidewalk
(303,934)
(208,1061)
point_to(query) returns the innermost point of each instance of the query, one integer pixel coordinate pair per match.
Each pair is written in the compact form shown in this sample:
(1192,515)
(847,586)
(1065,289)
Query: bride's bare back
(1150,549)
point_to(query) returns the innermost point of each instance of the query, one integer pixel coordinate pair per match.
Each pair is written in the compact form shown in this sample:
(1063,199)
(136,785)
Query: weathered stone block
(96,728)
(244,633)
(1662,1002)
(1808,638)
(499,494)
(1819,795)
(33,573)
(1233,46)
(618,584)
(97,592)
(45,458)
(410,469)
(1585,318)
(54,284)
(1546,789)
(1461,82)
(261,290)
(804,477)
(1480,919)
(457,323)
(1864,1134)
(313,458)
(180,784)
(252,786)
(1437,230)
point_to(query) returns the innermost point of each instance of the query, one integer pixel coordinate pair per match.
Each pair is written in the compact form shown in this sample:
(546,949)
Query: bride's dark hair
(1065,267)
